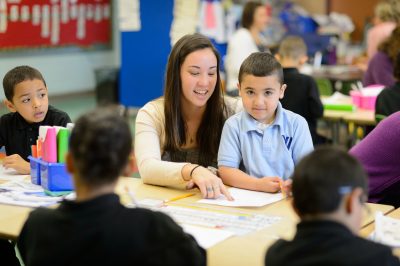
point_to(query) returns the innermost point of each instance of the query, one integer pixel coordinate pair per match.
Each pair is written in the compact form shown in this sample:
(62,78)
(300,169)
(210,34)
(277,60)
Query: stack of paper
(23,193)
(245,198)
(387,230)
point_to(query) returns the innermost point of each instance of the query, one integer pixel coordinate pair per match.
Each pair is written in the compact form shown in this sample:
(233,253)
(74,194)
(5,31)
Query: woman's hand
(210,185)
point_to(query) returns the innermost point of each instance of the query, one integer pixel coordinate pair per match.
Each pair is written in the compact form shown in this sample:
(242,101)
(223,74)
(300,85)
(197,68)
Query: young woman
(177,136)
(245,41)
(380,67)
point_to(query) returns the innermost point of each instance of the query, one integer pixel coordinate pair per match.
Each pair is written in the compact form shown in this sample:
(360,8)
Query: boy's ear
(277,57)
(282,91)
(9,105)
(353,200)
(303,60)
(69,163)
(238,86)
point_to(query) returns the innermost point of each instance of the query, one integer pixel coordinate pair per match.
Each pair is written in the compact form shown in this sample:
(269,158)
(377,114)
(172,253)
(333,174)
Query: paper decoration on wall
(185,19)
(54,23)
(212,20)
(129,15)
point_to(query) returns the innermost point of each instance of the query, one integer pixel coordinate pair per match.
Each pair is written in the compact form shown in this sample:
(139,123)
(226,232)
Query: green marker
(62,144)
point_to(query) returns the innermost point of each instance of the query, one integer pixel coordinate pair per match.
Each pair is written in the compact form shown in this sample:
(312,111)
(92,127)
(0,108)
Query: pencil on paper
(179,197)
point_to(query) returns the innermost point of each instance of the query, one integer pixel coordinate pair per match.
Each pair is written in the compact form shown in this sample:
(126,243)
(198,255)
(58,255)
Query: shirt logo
(288,141)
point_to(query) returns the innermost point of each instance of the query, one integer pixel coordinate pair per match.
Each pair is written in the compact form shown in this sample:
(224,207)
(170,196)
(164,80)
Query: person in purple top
(380,67)
(379,153)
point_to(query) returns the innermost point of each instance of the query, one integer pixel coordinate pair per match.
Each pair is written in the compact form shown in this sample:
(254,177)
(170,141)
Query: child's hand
(286,187)
(16,162)
(269,184)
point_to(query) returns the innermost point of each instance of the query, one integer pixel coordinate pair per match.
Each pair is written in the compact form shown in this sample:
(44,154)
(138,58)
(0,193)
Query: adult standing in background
(177,136)
(384,23)
(244,42)
(380,67)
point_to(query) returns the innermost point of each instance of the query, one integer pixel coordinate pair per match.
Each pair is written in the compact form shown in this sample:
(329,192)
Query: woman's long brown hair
(209,132)
(391,46)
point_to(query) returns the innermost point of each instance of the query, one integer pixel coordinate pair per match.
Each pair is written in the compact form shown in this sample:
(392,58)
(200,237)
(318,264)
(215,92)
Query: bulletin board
(27,24)
(144,54)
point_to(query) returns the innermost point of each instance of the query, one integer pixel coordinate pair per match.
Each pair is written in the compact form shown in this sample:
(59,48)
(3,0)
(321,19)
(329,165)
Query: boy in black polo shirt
(329,190)
(95,228)
(301,95)
(26,98)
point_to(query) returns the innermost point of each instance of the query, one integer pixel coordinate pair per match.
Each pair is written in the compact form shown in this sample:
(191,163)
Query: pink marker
(50,146)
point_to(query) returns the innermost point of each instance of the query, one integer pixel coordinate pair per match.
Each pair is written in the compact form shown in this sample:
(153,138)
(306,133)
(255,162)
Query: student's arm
(237,178)
(230,156)
(16,162)
(153,170)
(314,100)
(302,142)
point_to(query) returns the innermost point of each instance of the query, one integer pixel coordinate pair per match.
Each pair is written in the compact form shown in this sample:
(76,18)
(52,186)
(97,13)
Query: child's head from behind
(329,182)
(261,86)
(26,93)
(99,147)
(293,49)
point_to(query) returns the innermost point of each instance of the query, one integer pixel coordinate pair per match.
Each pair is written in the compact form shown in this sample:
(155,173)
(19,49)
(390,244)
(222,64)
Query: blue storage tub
(35,170)
(51,176)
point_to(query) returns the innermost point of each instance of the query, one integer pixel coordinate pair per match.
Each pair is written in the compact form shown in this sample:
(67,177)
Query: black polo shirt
(388,101)
(17,135)
(328,243)
(101,231)
(302,97)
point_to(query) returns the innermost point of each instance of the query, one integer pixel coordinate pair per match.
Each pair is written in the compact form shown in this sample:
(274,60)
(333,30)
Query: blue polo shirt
(273,151)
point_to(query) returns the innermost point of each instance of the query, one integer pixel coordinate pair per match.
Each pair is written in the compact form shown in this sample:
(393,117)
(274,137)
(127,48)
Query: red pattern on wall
(54,23)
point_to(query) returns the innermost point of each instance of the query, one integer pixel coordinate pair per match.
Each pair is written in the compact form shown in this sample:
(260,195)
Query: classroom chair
(324,86)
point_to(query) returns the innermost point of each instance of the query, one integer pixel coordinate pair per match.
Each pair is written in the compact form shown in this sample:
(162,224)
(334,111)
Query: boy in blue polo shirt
(265,140)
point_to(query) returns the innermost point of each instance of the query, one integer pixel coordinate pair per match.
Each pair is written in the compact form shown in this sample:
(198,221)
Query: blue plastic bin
(35,170)
(52,176)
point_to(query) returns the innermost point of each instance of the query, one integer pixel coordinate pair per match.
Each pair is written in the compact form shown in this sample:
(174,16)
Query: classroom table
(338,73)
(353,119)
(367,230)
(238,250)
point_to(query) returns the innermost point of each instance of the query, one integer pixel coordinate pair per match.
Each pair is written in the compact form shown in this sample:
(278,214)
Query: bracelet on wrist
(194,168)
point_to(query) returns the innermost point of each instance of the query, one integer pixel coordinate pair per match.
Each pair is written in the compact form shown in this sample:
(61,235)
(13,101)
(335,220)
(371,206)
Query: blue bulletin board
(144,54)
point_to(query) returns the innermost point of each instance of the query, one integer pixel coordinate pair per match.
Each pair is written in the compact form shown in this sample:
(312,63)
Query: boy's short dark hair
(100,145)
(18,75)
(261,64)
(249,10)
(292,47)
(321,179)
